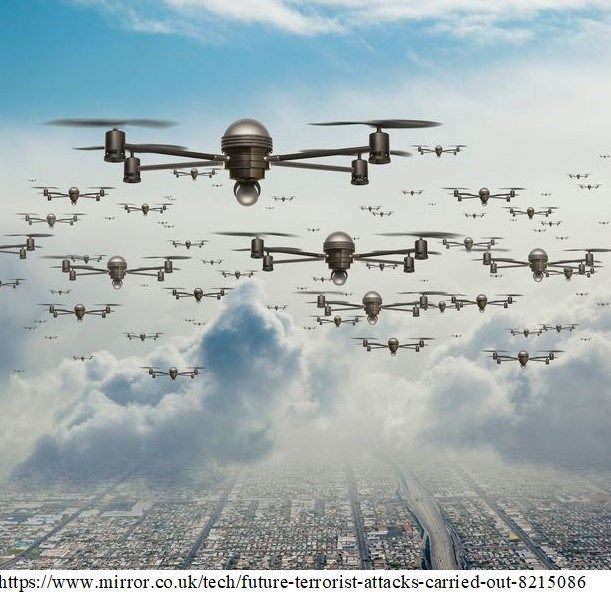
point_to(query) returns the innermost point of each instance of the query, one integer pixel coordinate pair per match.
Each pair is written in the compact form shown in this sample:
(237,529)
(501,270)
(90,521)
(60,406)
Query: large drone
(73,193)
(117,269)
(438,150)
(339,252)
(173,372)
(22,249)
(80,310)
(246,151)
(50,219)
(541,267)
(523,357)
(484,194)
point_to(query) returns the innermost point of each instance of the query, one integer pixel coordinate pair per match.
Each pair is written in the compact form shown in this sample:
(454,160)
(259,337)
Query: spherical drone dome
(372,297)
(246,126)
(481,298)
(484,191)
(537,254)
(339,236)
(523,354)
(116,261)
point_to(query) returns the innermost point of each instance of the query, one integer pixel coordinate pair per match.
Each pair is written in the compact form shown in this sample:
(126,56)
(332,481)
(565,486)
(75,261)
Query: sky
(523,84)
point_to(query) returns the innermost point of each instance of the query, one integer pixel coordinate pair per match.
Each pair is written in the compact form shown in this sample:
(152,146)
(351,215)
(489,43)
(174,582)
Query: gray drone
(393,345)
(337,320)
(145,208)
(13,283)
(23,248)
(194,173)
(142,336)
(80,310)
(438,150)
(198,293)
(173,372)
(523,357)
(50,219)
(187,244)
(484,194)
(73,193)
(531,211)
(469,244)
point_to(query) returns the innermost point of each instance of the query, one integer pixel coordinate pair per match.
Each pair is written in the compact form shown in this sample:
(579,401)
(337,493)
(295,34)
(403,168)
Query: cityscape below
(364,513)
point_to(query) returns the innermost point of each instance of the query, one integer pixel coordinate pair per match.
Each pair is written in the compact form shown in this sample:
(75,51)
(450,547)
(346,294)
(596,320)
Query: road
(543,558)
(201,538)
(357,516)
(427,511)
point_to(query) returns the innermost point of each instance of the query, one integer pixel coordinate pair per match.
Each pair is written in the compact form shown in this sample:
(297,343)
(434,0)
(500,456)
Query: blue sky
(78,57)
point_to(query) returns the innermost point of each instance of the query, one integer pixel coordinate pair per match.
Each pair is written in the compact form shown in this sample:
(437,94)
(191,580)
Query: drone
(237,274)
(83,358)
(393,345)
(381,266)
(17,371)
(194,173)
(50,337)
(531,211)
(468,243)
(456,335)
(586,339)
(525,332)
(541,267)
(547,194)
(23,248)
(484,194)
(562,238)
(578,176)
(523,357)
(474,215)
(382,213)
(198,293)
(276,307)
(604,222)
(283,198)
(438,150)
(370,208)
(13,283)
(173,372)
(74,194)
(551,223)
(337,320)
(145,208)
(412,192)
(142,336)
(198,323)
(313,229)
(84,258)
(339,252)
(50,219)
(217,185)
(212,261)
(432,203)
(546,327)
(603,304)
(110,218)
(117,269)
(309,328)
(80,310)
(188,243)
(29,328)
(270,207)
(605,156)
(582,294)
(539,230)
(246,151)
(590,186)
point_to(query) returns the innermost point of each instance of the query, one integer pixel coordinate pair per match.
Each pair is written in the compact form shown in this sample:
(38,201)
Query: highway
(357,516)
(427,511)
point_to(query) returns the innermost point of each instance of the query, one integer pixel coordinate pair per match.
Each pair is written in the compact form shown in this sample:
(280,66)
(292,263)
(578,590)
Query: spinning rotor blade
(424,234)
(108,122)
(251,234)
(386,124)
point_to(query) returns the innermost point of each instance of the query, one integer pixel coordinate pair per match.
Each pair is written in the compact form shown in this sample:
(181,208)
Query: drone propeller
(423,234)
(170,257)
(107,305)
(421,338)
(512,188)
(256,234)
(132,147)
(36,235)
(110,122)
(386,124)
(590,250)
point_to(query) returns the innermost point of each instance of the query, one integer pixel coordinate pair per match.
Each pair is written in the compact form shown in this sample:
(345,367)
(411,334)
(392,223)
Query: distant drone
(188,243)
(382,213)
(117,269)
(370,208)
(545,327)
(23,248)
(83,358)
(438,149)
(561,237)
(145,208)
(194,173)
(283,198)
(545,194)
(337,320)
(173,372)
(80,310)
(312,229)
(393,345)
(50,219)
(198,293)
(551,223)
(246,152)
(381,266)
(212,261)
(13,283)
(525,332)
(578,176)
(84,258)
(531,211)
(475,215)
(237,274)
(74,194)
(469,244)
(276,307)
(590,186)
(604,222)
(50,337)
(541,267)
(484,194)
(412,192)
(523,357)
(142,336)
(339,252)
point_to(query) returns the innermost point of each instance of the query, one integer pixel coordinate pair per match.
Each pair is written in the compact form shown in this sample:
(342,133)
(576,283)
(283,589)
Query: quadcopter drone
(523,357)
(283,198)
(117,269)
(469,244)
(525,332)
(412,192)
(73,193)
(237,274)
(50,219)
(188,243)
(545,327)
(145,208)
(142,336)
(474,215)
(438,150)
(198,293)
(484,194)
(212,261)
(173,372)
(339,252)
(590,186)
(83,358)
(276,307)
(393,345)
(80,310)
(531,211)
(13,283)
(23,248)
(194,173)
(578,176)
(246,151)
(337,320)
